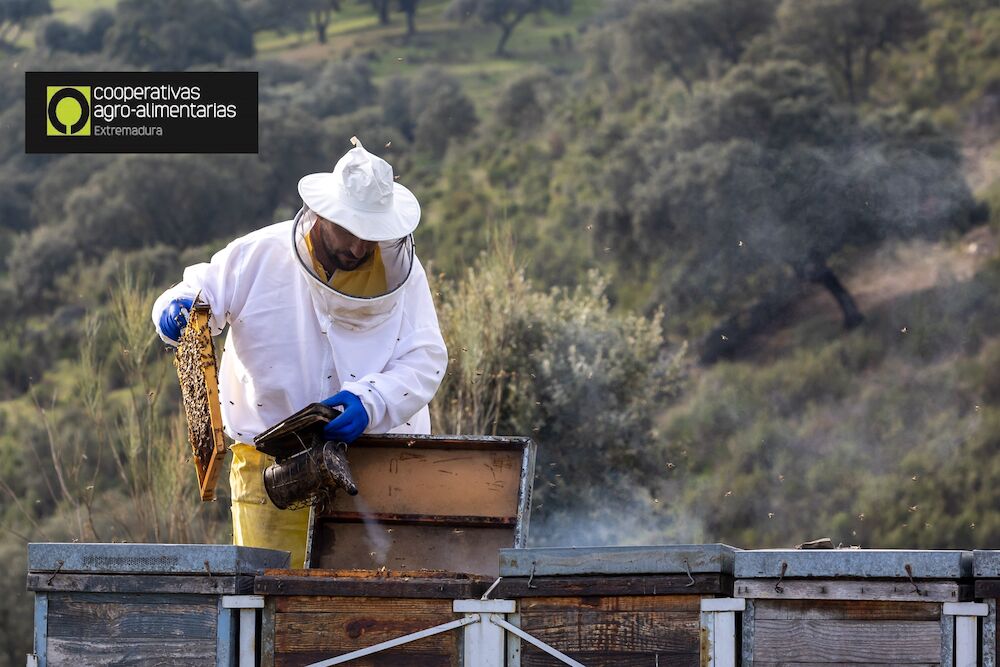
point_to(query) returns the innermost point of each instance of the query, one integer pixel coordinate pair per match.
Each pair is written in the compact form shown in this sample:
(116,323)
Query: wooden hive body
(139,604)
(850,605)
(312,615)
(616,605)
(428,502)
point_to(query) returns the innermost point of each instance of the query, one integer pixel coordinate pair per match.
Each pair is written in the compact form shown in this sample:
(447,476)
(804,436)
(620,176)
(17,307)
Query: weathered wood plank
(668,584)
(828,589)
(140,583)
(392,587)
(759,663)
(848,610)
(352,630)
(267,634)
(384,659)
(616,632)
(139,617)
(150,652)
(333,603)
(674,603)
(536,658)
(410,547)
(906,642)
(987,588)
(61,597)
(482,482)
(569,561)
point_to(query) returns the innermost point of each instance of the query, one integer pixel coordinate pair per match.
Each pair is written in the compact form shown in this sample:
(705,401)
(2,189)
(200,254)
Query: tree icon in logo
(68,111)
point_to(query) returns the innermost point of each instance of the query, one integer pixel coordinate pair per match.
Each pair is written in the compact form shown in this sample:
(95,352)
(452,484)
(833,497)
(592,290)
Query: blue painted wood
(855,563)
(226,638)
(571,561)
(204,559)
(41,628)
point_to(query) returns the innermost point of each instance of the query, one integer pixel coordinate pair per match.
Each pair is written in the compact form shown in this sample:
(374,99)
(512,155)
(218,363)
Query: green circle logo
(68,111)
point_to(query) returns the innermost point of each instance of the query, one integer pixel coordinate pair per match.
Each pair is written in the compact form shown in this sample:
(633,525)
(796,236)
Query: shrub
(562,367)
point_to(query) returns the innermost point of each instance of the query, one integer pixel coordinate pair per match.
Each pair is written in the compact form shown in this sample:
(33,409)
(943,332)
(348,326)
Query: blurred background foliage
(732,263)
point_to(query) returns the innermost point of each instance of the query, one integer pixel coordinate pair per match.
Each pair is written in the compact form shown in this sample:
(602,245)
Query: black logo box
(180,135)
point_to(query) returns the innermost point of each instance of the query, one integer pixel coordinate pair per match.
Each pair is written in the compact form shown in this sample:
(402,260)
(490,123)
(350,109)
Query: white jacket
(293,340)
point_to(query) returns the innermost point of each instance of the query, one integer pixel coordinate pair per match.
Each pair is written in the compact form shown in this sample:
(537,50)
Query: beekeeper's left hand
(349,425)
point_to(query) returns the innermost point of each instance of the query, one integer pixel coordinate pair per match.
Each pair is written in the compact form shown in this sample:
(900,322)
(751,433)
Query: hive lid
(869,563)
(986,563)
(99,558)
(571,561)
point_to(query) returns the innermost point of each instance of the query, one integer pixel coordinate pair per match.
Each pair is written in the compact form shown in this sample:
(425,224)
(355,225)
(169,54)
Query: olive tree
(505,14)
(846,35)
(764,178)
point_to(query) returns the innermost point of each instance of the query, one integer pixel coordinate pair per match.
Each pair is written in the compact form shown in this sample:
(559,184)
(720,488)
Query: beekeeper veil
(361,196)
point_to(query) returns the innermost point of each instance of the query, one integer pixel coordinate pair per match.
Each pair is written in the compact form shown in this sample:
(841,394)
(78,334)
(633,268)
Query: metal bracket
(909,573)
(687,570)
(777,586)
(398,641)
(477,611)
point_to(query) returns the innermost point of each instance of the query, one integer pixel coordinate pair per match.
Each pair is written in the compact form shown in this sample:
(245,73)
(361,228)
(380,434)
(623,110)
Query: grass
(73,11)
(466,51)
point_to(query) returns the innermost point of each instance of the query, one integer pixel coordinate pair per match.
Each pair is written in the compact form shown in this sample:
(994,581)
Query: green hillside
(737,288)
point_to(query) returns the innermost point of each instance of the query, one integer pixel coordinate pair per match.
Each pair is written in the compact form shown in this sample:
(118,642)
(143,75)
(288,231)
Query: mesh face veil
(396,257)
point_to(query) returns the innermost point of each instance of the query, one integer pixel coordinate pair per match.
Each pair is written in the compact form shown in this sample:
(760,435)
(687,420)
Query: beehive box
(621,605)
(428,502)
(140,604)
(313,615)
(986,569)
(847,606)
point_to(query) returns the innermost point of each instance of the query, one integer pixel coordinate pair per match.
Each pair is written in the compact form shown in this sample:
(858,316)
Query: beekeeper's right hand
(174,318)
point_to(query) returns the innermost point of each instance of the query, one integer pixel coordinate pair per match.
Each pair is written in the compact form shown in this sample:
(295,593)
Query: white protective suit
(294,340)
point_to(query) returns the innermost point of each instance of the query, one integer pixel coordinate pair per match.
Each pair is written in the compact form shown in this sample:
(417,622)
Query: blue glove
(174,319)
(351,423)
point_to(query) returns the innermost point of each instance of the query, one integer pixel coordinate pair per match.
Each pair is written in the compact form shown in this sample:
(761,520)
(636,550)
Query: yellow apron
(257,522)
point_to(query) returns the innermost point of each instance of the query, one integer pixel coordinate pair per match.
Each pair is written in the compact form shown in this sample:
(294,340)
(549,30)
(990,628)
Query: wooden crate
(851,606)
(140,604)
(620,605)
(312,615)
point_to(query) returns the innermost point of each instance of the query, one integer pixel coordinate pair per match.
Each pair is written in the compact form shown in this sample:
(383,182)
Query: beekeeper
(332,306)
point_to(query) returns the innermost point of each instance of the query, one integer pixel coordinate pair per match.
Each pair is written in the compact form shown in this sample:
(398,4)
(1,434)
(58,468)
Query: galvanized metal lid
(98,558)
(569,561)
(986,564)
(869,563)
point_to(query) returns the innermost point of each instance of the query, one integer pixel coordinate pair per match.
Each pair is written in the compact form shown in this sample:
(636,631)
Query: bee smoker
(308,469)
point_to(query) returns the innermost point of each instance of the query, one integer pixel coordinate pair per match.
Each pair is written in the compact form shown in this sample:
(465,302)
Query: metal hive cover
(986,564)
(570,561)
(99,558)
(868,563)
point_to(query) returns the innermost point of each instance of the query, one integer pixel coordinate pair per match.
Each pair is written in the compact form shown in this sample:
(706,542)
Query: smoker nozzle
(335,458)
